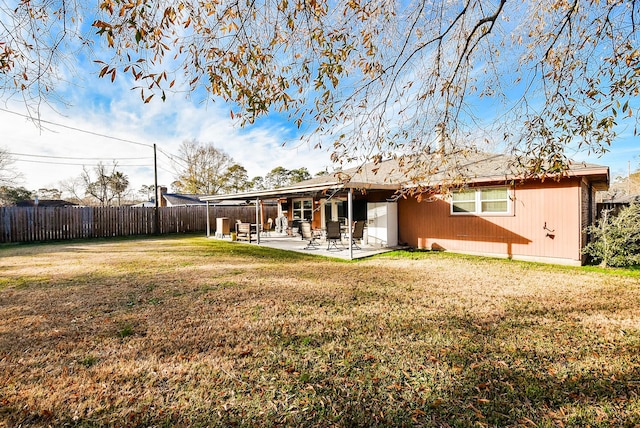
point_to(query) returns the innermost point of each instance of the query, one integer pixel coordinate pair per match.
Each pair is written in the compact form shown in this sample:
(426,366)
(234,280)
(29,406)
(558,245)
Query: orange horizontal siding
(522,233)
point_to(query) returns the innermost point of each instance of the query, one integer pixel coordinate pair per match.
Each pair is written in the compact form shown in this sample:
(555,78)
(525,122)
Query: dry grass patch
(197,332)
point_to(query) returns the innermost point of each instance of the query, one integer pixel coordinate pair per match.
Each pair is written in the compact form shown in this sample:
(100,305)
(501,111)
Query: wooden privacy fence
(35,224)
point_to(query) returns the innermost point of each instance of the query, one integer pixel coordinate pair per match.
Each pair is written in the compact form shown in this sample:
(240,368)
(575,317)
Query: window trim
(474,200)
(302,209)
(478,202)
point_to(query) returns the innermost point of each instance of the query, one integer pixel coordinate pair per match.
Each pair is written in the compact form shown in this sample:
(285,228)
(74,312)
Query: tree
(8,175)
(73,189)
(281,177)
(629,185)
(11,195)
(412,80)
(298,175)
(236,179)
(256,184)
(37,45)
(118,184)
(97,187)
(147,191)
(44,193)
(203,169)
(106,185)
(276,178)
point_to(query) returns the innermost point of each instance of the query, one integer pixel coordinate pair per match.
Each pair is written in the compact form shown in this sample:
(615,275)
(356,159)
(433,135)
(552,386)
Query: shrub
(615,240)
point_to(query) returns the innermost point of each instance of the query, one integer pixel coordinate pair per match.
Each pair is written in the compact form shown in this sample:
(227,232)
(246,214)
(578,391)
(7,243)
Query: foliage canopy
(204,169)
(376,78)
(10,195)
(103,185)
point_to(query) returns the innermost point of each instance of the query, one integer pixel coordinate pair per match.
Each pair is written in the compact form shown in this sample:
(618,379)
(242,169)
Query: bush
(615,240)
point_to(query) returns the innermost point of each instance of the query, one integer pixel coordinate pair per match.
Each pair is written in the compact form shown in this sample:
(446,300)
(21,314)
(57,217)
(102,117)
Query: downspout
(590,211)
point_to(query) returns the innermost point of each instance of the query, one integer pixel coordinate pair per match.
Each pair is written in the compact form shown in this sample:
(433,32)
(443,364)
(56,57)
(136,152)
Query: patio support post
(257,221)
(350,220)
(208,222)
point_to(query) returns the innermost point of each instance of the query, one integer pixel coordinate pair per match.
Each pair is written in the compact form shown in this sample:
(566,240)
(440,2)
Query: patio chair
(295,228)
(268,227)
(308,235)
(357,234)
(243,231)
(333,235)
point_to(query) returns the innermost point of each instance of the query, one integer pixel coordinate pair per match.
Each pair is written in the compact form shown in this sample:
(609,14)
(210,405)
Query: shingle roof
(394,174)
(176,199)
(46,203)
(622,199)
(474,168)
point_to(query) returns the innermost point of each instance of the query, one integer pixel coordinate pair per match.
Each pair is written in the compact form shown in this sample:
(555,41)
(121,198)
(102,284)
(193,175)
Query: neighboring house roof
(145,204)
(622,200)
(390,175)
(48,203)
(231,202)
(177,199)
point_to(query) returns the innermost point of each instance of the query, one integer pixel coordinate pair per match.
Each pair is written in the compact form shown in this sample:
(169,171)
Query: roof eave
(293,190)
(373,186)
(598,176)
(274,193)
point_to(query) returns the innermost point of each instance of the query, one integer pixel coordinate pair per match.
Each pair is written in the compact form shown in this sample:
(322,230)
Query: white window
(463,201)
(494,200)
(303,209)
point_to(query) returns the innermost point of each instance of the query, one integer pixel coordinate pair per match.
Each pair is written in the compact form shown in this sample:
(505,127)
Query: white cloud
(115,110)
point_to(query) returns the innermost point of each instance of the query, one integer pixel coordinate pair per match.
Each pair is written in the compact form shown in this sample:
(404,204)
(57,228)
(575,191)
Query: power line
(75,164)
(165,169)
(76,129)
(174,158)
(73,158)
(171,157)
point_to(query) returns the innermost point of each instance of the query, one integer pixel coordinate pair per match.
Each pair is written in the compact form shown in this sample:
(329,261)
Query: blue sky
(113,109)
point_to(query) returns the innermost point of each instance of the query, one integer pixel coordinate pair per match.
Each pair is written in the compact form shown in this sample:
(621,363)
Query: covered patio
(319,201)
(297,244)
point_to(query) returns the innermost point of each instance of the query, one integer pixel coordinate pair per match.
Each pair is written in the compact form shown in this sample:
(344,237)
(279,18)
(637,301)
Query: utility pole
(156,216)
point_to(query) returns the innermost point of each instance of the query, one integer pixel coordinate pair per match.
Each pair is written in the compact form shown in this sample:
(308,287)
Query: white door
(382,224)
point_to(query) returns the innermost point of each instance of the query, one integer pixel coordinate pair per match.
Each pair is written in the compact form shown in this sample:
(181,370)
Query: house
(495,211)
(173,199)
(177,199)
(616,202)
(185,200)
(45,203)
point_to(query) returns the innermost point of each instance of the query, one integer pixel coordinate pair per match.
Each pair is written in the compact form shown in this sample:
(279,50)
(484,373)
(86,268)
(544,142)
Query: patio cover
(330,184)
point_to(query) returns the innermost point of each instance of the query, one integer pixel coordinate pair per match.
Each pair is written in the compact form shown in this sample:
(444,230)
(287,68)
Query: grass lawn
(190,331)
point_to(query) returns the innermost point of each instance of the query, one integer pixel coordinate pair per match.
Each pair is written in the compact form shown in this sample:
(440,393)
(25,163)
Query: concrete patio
(295,243)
